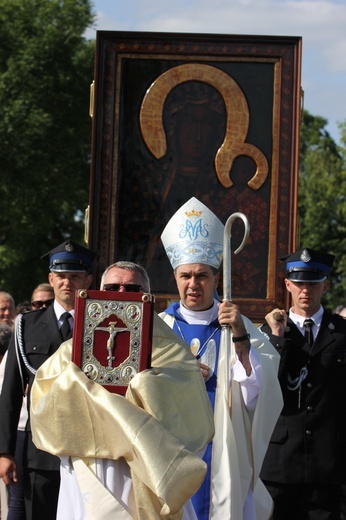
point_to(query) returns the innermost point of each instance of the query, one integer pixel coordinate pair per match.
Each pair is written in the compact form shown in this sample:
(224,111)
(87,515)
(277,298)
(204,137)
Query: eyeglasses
(129,287)
(38,304)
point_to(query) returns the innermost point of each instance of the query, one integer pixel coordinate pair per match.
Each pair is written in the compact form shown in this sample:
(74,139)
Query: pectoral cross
(113,331)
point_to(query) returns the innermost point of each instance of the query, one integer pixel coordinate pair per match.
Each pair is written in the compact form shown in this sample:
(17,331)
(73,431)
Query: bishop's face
(196,284)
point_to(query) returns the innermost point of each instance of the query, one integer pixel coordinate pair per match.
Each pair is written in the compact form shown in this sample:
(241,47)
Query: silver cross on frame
(113,331)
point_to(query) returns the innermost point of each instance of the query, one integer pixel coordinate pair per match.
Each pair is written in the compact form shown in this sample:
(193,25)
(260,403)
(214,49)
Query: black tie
(65,328)
(308,324)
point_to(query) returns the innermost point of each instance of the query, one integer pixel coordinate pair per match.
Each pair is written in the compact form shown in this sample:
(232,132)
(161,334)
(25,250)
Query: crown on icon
(193,213)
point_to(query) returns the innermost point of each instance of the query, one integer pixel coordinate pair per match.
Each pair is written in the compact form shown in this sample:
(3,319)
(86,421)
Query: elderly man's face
(124,277)
(196,284)
(7,311)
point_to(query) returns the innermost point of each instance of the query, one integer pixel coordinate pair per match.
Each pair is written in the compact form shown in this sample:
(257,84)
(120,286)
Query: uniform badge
(305,256)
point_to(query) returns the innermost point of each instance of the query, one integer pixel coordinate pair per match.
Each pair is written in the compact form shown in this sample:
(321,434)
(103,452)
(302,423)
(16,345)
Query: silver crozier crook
(227,252)
(224,440)
(225,344)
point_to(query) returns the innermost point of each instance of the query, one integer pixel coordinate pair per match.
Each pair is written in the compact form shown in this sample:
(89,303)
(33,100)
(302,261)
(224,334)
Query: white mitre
(194,235)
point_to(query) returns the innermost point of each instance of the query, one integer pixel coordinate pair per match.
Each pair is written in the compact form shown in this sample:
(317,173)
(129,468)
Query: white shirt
(299,321)
(59,311)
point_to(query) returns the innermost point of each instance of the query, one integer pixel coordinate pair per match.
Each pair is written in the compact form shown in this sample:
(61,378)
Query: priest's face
(124,278)
(196,284)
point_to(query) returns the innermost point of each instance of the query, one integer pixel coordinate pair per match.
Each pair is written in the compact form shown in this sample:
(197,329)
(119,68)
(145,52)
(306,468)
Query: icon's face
(196,132)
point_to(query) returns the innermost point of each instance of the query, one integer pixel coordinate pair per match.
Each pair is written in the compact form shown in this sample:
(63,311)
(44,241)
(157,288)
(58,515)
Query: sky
(320,23)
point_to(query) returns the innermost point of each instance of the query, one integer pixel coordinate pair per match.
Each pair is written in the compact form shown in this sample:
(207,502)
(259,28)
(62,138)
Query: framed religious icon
(112,336)
(214,117)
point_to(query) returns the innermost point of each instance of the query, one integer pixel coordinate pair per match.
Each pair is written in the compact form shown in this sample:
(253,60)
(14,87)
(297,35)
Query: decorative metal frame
(112,359)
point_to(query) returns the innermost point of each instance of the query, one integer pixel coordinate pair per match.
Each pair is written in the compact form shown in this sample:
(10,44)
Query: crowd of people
(231,421)
(12,497)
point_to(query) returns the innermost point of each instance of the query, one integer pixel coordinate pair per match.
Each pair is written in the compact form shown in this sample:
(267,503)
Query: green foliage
(46,67)
(322,199)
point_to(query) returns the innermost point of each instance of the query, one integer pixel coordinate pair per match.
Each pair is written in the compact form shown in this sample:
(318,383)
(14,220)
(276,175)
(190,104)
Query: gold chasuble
(160,425)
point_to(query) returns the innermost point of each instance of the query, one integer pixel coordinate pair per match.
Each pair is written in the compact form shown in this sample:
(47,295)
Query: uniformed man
(37,335)
(305,461)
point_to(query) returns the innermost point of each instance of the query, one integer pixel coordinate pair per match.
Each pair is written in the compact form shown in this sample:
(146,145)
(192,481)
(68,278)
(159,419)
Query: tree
(322,198)
(46,67)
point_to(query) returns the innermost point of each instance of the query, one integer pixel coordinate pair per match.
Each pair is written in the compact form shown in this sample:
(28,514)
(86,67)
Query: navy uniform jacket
(309,441)
(41,337)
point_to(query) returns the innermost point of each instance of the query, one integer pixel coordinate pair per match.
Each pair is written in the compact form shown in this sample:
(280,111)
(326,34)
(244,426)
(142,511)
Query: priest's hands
(204,371)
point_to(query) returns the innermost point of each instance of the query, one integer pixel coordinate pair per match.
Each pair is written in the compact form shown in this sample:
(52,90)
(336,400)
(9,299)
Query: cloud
(321,23)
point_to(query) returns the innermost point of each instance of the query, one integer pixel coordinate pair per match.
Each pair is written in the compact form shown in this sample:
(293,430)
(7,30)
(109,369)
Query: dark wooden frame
(267,68)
